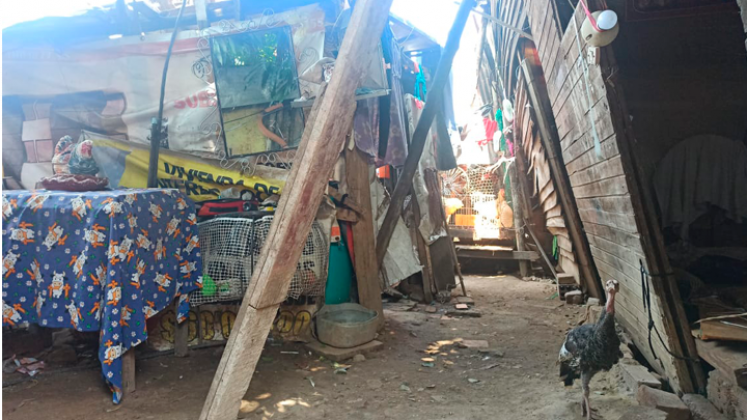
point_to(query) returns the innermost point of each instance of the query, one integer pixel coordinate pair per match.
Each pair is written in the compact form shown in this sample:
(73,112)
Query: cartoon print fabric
(99,261)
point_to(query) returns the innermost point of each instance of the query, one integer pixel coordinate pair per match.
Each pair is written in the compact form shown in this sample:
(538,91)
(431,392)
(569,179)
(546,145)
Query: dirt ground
(516,379)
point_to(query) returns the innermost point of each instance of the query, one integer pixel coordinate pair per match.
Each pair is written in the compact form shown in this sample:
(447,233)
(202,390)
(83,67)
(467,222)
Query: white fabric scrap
(698,172)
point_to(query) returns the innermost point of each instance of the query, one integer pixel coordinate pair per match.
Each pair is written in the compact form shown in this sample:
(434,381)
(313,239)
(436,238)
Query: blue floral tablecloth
(98,261)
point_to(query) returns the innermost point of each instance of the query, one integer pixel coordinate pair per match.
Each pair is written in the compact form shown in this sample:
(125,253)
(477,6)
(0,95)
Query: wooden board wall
(528,137)
(600,183)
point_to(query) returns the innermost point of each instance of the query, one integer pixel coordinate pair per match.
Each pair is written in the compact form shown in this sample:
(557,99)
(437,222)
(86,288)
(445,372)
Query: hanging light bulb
(606,20)
(600,28)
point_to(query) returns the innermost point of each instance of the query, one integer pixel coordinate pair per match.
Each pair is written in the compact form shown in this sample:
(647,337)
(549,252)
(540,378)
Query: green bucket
(340,275)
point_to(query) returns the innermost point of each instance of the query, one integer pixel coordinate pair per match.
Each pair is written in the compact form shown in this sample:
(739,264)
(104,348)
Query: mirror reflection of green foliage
(263,56)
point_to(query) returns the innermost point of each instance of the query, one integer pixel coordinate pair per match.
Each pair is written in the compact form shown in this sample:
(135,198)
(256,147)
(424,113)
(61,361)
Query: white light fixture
(606,20)
(600,28)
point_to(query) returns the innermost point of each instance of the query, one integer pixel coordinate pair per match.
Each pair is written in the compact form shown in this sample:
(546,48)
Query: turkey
(591,348)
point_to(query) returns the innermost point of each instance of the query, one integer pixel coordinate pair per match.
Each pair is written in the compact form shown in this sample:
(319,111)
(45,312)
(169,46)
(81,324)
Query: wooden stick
(322,142)
(549,138)
(541,251)
(366,269)
(432,104)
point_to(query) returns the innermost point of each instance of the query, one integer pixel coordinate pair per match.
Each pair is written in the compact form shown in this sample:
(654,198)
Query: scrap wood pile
(711,281)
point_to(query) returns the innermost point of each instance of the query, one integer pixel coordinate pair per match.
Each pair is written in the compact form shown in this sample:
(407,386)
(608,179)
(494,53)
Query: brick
(636,375)
(466,300)
(701,408)
(664,401)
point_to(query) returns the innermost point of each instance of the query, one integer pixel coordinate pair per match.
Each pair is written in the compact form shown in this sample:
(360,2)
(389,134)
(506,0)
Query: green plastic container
(340,275)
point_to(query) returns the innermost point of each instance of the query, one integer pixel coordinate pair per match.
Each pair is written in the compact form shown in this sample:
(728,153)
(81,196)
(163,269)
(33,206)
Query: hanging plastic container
(340,276)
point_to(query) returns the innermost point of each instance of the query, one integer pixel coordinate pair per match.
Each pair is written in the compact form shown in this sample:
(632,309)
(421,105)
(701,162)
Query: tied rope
(646,292)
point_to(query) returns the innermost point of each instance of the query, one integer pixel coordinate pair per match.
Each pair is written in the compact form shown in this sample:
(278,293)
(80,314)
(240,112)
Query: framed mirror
(255,73)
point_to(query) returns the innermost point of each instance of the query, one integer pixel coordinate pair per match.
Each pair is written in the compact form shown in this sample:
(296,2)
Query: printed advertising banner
(126,165)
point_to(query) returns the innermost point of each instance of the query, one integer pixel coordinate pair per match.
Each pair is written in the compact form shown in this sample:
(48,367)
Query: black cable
(157,125)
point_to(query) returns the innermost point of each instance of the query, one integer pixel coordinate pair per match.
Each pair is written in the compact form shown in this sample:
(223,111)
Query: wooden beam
(366,270)
(424,252)
(322,142)
(518,197)
(550,142)
(432,104)
(495,253)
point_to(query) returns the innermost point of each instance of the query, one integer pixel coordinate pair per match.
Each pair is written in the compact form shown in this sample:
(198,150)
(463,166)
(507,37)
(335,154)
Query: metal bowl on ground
(346,325)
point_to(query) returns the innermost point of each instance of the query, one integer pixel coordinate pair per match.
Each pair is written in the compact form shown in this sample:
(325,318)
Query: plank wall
(542,186)
(599,182)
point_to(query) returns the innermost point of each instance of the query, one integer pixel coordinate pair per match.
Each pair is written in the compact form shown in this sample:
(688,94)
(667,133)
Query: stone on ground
(664,401)
(644,413)
(338,355)
(728,398)
(637,375)
(474,344)
(701,408)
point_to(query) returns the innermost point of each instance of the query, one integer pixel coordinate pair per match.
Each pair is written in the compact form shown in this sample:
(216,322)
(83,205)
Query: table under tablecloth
(98,261)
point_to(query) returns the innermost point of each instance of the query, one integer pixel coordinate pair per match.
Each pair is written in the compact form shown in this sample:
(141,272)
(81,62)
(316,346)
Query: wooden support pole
(366,270)
(322,142)
(181,338)
(517,198)
(432,104)
(424,253)
(128,372)
(550,142)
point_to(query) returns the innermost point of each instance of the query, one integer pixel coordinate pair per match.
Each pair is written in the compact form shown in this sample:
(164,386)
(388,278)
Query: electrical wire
(155,137)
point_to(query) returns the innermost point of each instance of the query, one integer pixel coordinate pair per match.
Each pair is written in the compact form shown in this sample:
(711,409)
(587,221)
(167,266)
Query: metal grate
(230,249)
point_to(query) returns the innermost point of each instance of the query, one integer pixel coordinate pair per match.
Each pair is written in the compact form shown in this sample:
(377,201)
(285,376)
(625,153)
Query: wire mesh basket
(230,248)
(469,196)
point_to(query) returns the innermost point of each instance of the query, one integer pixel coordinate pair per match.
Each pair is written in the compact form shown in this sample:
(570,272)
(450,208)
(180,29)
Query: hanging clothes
(698,172)
(367,116)
(490,129)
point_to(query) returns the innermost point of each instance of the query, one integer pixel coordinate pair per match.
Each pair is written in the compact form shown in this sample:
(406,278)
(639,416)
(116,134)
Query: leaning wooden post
(432,104)
(563,189)
(321,145)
